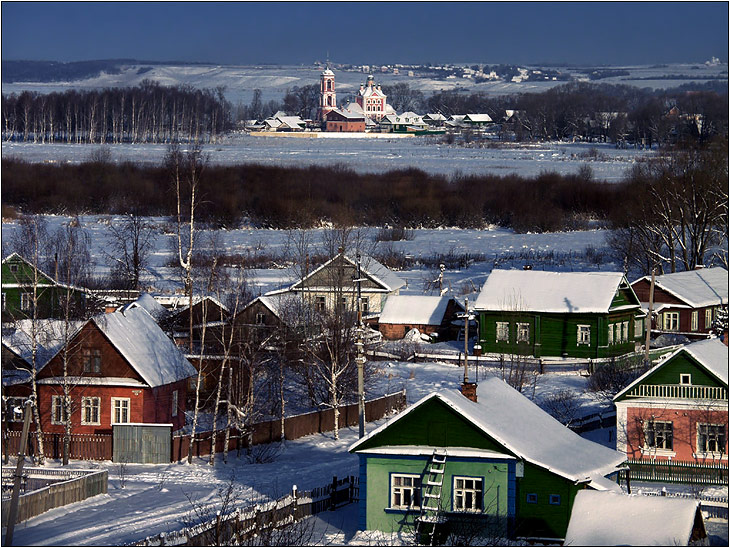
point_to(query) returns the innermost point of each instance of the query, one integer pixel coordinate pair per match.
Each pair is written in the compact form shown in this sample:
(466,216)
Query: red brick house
(677,410)
(122,368)
(427,313)
(340,120)
(685,303)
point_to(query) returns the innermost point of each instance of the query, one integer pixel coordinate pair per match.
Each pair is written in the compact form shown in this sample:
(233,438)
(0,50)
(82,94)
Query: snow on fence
(83,446)
(62,487)
(709,473)
(594,421)
(237,526)
(296,426)
(711,507)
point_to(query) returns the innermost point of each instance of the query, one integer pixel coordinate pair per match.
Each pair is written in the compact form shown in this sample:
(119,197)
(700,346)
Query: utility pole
(13,513)
(647,361)
(360,359)
(466,343)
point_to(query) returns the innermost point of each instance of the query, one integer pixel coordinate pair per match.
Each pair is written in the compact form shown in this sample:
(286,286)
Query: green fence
(700,473)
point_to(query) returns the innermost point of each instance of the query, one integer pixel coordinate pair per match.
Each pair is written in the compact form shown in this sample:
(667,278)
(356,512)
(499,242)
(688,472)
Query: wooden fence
(62,487)
(679,472)
(268,521)
(83,446)
(295,427)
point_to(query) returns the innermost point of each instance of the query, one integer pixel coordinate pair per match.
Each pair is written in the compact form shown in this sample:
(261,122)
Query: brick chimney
(469,389)
(109,308)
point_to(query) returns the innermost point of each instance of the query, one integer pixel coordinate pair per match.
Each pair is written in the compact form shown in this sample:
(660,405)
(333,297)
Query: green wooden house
(569,314)
(500,465)
(18,280)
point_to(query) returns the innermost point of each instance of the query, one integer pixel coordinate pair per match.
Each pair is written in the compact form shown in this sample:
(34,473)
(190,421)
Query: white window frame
(320,303)
(685,378)
(671,321)
(583,335)
(174,403)
(58,415)
(625,331)
(610,333)
(117,409)
(90,403)
(650,429)
(11,403)
(471,487)
(260,318)
(694,320)
(26,301)
(13,268)
(91,360)
(365,305)
(718,437)
(708,318)
(502,331)
(4,297)
(413,491)
(523,332)
(638,328)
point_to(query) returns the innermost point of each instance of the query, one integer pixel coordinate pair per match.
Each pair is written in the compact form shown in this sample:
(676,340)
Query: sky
(245,33)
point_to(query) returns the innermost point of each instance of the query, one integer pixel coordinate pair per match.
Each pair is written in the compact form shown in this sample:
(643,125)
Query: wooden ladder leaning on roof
(430,514)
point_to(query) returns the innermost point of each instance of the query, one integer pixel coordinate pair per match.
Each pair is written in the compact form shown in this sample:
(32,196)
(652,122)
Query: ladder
(431,503)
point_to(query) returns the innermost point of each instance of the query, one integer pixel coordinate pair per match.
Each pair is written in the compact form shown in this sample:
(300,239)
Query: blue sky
(367,32)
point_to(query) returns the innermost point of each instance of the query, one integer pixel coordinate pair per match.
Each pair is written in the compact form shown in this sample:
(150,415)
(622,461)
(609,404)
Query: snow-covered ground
(365,155)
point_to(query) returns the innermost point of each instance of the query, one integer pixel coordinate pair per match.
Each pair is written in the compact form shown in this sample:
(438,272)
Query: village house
(685,303)
(431,315)
(408,122)
(343,120)
(494,461)
(569,314)
(334,285)
(122,369)
(678,410)
(18,280)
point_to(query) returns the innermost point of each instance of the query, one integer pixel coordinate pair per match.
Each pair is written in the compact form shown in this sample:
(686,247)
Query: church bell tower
(327,95)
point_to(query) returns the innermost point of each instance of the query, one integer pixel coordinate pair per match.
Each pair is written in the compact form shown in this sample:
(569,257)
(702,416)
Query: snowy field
(365,155)
(157,498)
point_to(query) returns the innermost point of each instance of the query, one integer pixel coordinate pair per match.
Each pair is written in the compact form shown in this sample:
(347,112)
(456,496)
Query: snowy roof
(601,518)
(148,303)
(525,430)
(712,354)
(278,303)
(349,113)
(558,292)
(371,268)
(438,117)
(49,338)
(698,288)
(414,309)
(136,335)
(291,121)
(478,118)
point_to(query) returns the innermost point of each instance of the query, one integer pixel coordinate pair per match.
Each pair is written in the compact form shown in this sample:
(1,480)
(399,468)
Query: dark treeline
(148,113)
(277,197)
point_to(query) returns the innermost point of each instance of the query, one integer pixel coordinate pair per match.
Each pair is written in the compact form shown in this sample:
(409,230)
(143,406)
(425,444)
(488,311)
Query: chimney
(699,267)
(110,308)
(469,389)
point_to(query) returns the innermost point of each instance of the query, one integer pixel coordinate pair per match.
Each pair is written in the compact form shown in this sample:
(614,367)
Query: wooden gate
(142,443)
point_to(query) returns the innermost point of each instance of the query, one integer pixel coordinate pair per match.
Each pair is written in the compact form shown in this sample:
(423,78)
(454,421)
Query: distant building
(327,94)
(373,101)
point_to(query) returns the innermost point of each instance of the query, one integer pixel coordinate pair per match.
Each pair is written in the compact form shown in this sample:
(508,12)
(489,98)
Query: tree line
(148,113)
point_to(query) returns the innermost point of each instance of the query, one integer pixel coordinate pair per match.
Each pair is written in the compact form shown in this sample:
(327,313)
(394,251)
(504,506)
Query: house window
(14,268)
(531,498)
(14,409)
(658,435)
(92,360)
(319,303)
(90,408)
(708,318)
(468,494)
(58,410)
(695,320)
(405,491)
(625,331)
(260,318)
(711,438)
(503,331)
(685,378)
(26,299)
(365,305)
(174,403)
(3,301)
(610,333)
(120,410)
(523,332)
(638,328)
(584,334)
(671,321)
(555,499)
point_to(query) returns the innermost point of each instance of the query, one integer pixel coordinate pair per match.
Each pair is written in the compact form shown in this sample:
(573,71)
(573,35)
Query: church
(369,108)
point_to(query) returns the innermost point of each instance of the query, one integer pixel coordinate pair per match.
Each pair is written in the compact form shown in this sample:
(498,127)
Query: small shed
(606,518)
(427,313)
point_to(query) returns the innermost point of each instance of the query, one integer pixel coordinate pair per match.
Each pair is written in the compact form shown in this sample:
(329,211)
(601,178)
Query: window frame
(11,402)
(85,400)
(671,321)
(127,408)
(477,494)
(610,333)
(708,318)
(174,397)
(625,331)
(260,318)
(502,331)
(416,495)
(554,499)
(58,410)
(583,335)
(638,328)
(91,360)
(531,498)
(719,438)
(523,332)
(26,301)
(320,303)
(685,379)
(650,429)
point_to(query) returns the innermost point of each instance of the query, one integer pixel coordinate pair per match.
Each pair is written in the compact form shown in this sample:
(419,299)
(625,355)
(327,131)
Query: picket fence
(240,524)
(696,473)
